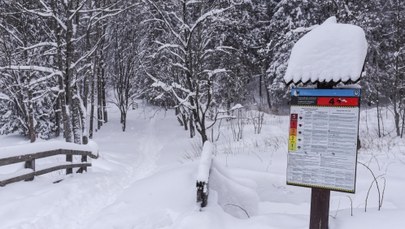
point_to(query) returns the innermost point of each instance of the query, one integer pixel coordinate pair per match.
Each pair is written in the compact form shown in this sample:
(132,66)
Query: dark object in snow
(202,193)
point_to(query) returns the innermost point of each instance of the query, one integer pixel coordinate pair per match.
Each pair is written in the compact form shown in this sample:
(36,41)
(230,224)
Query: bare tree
(124,71)
(190,52)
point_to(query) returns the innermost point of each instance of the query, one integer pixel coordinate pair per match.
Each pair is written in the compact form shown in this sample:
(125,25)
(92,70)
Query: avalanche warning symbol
(292,142)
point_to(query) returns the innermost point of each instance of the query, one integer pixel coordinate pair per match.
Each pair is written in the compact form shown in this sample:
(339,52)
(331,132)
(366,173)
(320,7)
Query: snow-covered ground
(145,178)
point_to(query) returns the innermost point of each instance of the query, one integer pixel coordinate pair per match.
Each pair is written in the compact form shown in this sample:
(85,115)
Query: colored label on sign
(292,143)
(293,132)
(338,101)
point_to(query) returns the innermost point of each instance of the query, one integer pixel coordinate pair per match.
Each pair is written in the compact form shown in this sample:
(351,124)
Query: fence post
(84,168)
(69,158)
(84,157)
(30,165)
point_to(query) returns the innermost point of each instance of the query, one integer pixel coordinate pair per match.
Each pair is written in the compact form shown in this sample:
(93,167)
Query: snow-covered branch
(4,97)
(12,33)
(110,13)
(76,11)
(168,46)
(223,49)
(204,17)
(88,54)
(42,79)
(32,68)
(180,65)
(167,23)
(171,89)
(47,13)
(41,44)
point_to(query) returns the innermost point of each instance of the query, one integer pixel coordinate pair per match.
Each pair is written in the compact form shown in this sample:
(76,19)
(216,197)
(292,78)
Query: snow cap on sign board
(330,52)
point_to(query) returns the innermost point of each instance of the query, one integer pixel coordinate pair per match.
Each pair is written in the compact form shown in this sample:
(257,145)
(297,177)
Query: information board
(322,146)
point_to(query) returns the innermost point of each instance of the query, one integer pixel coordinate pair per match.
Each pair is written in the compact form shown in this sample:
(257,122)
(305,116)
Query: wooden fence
(29,163)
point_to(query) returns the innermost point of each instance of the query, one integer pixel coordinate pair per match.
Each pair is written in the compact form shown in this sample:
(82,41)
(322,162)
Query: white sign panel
(322,149)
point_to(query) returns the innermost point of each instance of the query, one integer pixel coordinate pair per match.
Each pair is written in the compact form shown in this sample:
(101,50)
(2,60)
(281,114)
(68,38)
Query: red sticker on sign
(293,121)
(338,101)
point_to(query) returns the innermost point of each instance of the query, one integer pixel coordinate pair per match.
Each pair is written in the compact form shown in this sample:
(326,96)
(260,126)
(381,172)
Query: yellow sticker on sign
(292,143)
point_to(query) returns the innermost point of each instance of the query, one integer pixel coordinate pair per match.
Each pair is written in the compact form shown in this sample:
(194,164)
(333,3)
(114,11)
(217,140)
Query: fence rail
(29,163)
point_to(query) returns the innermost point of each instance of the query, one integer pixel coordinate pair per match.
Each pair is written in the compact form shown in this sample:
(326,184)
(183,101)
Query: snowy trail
(137,157)
(78,201)
(136,153)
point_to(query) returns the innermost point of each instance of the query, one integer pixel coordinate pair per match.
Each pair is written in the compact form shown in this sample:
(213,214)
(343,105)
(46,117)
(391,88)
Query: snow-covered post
(318,155)
(204,169)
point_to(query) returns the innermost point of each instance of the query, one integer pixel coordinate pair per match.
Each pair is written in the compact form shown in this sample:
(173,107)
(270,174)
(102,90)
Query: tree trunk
(191,126)
(378,115)
(31,127)
(68,78)
(124,120)
(85,96)
(92,100)
(67,134)
(77,120)
(403,123)
(85,132)
(267,94)
(397,124)
(397,118)
(99,103)
(68,74)
(58,118)
(105,115)
(184,117)
(260,86)
(203,134)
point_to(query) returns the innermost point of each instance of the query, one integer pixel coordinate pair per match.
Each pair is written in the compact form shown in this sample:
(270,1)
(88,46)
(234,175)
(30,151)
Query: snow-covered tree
(124,72)
(288,22)
(392,58)
(188,49)
(54,42)
(25,83)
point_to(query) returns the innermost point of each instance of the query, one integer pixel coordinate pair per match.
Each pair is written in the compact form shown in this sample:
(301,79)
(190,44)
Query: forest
(62,62)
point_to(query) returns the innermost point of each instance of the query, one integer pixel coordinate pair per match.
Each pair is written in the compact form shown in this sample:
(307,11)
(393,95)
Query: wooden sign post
(323,136)
(322,147)
(320,198)
(319,217)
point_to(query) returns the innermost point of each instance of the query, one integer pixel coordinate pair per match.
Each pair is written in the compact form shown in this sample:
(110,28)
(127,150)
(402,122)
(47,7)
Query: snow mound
(237,197)
(330,52)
